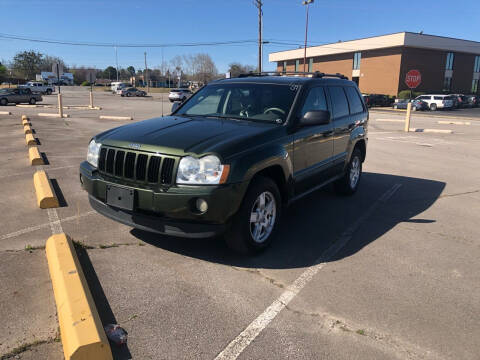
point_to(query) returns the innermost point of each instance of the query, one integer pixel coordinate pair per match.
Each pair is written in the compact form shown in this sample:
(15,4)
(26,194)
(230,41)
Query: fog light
(202,205)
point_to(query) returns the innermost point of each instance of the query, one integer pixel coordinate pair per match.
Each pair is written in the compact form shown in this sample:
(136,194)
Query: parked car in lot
(377,100)
(229,158)
(437,101)
(116,86)
(132,92)
(459,100)
(416,104)
(19,95)
(179,94)
(473,100)
(39,87)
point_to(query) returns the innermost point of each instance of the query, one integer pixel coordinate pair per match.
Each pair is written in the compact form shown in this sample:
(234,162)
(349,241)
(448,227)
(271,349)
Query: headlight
(93,152)
(207,170)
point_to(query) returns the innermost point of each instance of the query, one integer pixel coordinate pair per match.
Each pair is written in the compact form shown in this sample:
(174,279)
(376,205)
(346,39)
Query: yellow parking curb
(34,156)
(24,117)
(81,330)
(30,140)
(27,129)
(26,122)
(45,196)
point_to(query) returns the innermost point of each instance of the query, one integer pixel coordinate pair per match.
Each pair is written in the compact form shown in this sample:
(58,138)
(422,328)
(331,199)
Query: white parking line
(30,172)
(42,226)
(237,345)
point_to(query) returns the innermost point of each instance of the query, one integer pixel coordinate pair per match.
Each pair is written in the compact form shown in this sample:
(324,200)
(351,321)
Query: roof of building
(407,39)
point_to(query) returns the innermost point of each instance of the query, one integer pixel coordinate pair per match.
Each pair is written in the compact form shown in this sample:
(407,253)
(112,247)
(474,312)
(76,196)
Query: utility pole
(307,3)
(258,4)
(116,61)
(146,72)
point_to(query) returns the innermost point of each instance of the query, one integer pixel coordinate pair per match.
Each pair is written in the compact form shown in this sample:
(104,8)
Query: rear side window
(315,100)
(438,98)
(356,105)
(339,101)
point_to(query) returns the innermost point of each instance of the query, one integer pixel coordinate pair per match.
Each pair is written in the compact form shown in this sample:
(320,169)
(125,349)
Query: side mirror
(175,106)
(316,117)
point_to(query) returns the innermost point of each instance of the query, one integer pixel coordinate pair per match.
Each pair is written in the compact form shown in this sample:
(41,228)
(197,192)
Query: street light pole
(116,61)
(307,3)
(258,4)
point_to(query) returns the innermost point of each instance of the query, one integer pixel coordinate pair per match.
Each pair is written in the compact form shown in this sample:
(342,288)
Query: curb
(30,140)
(5,113)
(45,196)
(424,113)
(34,156)
(81,330)
(27,129)
(53,115)
(107,117)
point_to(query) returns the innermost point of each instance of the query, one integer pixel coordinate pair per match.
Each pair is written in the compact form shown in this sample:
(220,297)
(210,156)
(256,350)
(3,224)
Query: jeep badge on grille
(135,146)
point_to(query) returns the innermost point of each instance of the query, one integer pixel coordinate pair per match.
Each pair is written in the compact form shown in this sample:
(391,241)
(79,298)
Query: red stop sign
(413,79)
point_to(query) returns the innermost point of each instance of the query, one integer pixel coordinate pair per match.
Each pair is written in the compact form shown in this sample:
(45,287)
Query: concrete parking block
(30,140)
(108,117)
(52,115)
(81,330)
(46,197)
(35,157)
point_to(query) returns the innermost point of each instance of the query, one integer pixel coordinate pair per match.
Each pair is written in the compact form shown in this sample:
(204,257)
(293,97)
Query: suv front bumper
(171,211)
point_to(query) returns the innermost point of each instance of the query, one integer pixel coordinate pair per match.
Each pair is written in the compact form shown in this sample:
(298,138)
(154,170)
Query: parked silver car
(132,92)
(179,94)
(18,95)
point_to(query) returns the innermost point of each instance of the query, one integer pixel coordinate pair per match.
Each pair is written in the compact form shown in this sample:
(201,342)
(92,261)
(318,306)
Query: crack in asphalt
(258,272)
(387,342)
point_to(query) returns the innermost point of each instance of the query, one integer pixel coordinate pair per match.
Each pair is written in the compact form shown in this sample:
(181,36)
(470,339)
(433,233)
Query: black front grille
(138,166)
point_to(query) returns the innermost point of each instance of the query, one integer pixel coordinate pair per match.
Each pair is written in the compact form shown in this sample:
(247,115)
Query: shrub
(85,83)
(405,94)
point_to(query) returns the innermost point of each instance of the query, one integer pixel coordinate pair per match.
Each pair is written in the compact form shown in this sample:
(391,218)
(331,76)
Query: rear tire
(49,91)
(255,224)
(348,183)
(433,107)
(395,107)
(32,101)
(3,102)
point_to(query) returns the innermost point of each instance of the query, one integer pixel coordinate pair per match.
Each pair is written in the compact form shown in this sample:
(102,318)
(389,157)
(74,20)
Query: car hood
(178,135)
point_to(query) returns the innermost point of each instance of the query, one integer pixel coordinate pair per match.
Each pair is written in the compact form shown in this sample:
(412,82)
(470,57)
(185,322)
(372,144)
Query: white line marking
(55,224)
(454,122)
(391,120)
(237,345)
(43,226)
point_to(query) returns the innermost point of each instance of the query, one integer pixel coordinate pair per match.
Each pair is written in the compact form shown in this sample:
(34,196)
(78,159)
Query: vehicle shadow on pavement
(106,314)
(311,225)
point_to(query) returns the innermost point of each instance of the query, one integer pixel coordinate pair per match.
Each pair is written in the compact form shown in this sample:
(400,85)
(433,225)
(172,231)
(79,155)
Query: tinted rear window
(339,100)
(356,105)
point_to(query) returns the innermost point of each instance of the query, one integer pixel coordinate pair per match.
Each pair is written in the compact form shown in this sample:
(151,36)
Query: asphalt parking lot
(390,273)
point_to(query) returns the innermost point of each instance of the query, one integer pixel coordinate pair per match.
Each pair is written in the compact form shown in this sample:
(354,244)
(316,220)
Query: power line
(125,45)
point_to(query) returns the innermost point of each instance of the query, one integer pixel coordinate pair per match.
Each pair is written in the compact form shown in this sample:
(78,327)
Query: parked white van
(437,101)
(118,85)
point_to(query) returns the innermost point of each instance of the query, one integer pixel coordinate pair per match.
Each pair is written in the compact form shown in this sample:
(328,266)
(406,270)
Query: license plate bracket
(120,197)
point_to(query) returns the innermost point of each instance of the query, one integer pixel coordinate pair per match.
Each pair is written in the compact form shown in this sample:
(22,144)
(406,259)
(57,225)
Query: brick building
(379,64)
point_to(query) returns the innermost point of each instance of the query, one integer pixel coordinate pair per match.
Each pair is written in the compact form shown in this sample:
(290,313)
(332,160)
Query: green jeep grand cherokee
(228,159)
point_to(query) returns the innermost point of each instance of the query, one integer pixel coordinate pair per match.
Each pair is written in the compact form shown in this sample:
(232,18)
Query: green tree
(27,63)
(3,72)
(110,73)
(131,70)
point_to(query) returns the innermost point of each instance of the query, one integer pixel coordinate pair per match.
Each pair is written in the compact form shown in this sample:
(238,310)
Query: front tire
(348,184)
(254,226)
(3,102)
(433,107)
(49,92)
(32,101)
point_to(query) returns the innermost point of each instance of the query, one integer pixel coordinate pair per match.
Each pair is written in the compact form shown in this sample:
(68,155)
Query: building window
(476,67)
(449,64)
(284,66)
(356,60)
(297,65)
(447,83)
(474,86)
(310,65)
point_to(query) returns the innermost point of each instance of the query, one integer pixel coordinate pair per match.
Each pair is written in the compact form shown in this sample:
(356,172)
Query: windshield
(262,102)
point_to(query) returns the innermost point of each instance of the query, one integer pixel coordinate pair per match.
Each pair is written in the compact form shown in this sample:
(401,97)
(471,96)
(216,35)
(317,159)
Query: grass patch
(30,248)
(22,348)
(360,332)
(108,246)
(82,245)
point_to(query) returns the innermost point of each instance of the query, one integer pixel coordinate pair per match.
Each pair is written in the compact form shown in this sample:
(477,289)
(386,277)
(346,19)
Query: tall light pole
(307,3)
(258,4)
(116,61)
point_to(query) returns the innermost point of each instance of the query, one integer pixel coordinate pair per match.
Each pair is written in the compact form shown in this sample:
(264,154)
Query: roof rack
(316,74)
